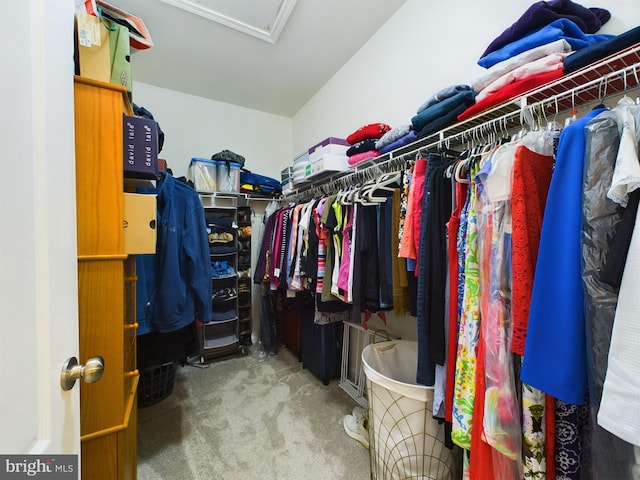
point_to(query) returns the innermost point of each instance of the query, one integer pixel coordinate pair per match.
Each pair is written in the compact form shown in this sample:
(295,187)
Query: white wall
(199,127)
(425,46)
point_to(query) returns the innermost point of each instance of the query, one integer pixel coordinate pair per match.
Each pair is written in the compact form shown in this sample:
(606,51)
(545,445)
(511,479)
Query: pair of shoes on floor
(355,425)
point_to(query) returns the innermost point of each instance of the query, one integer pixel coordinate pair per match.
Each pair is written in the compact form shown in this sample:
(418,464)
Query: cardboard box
(93,48)
(140,140)
(139,223)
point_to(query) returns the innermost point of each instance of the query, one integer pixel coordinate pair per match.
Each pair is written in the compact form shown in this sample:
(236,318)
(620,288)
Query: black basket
(156,384)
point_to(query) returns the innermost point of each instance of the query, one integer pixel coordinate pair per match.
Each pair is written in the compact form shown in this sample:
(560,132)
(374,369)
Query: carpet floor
(250,417)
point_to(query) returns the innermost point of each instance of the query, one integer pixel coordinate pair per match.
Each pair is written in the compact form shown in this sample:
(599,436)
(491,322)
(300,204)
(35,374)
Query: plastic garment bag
(501,426)
(611,457)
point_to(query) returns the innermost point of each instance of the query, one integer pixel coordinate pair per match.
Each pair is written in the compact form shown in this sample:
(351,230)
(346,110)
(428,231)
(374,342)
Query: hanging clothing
(611,456)
(426,368)
(466,359)
(454,311)
(398,265)
(177,280)
(385,253)
(436,273)
(556,314)
(619,411)
(501,423)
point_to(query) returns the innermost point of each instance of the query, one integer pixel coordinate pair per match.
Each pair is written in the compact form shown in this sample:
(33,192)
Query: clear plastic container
(204,174)
(229,177)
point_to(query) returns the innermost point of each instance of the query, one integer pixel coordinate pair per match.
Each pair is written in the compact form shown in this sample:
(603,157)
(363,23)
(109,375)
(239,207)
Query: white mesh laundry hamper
(405,442)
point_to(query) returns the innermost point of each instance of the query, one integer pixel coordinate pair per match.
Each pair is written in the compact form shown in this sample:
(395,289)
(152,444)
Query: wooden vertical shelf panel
(106,285)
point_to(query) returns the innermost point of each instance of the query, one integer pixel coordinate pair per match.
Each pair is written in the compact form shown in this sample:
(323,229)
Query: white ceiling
(251,55)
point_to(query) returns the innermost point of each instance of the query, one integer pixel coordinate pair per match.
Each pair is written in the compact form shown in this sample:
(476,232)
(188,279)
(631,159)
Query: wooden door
(38,287)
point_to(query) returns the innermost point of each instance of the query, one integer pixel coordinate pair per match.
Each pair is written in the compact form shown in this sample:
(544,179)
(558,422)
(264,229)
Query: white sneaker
(354,427)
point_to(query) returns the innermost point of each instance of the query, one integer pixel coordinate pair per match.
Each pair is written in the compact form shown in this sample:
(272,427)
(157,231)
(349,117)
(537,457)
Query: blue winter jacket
(176,282)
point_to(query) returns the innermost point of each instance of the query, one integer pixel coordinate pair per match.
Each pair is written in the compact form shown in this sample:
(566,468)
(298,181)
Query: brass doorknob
(90,372)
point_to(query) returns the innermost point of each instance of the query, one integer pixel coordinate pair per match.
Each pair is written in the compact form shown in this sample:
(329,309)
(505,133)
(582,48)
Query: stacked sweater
(532,51)
(441,109)
(551,39)
(395,138)
(363,142)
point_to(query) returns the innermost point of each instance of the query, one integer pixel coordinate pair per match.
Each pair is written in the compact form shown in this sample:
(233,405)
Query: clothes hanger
(389,179)
(362,195)
(387,182)
(625,100)
(367,192)
(457,172)
(445,151)
(539,139)
(523,130)
(554,125)
(602,92)
(635,75)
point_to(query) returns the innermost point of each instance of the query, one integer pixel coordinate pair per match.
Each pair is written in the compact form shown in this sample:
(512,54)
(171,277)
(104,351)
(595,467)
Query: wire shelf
(612,75)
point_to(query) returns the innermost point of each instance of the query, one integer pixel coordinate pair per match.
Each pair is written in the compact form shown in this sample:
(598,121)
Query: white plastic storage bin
(299,169)
(203,173)
(229,177)
(286,174)
(331,145)
(328,163)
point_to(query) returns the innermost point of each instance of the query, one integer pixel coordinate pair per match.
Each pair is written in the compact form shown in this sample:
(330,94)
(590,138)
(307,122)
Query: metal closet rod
(596,90)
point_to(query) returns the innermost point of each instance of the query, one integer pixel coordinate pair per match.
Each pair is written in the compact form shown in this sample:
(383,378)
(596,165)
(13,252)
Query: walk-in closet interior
(297,239)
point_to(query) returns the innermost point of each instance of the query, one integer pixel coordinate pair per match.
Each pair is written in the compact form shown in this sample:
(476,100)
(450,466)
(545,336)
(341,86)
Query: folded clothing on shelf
(409,137)
(392,135)
(222,239)
(221,268)
(511,91)
(598,51)
(362,146)
(588,20)
(441,112)
(560,29)
(361,157)
(372,130)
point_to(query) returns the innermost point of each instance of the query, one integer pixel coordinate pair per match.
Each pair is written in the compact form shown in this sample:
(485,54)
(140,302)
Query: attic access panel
(263,19)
